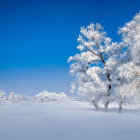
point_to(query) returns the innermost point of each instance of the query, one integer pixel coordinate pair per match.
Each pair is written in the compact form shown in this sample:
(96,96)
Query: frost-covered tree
(131,38)
(2,96)
(46,96)
(43,96)
(89,67)
(127,71)
(15,98)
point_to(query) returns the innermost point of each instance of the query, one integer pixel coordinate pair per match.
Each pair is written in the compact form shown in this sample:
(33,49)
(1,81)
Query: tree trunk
(120,105)
(109,88)
(95,104)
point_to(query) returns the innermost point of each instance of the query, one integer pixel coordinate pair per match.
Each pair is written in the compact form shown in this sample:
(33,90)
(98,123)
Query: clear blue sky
(37,37)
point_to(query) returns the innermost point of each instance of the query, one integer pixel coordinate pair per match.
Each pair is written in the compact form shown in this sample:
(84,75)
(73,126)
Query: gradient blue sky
(37,37)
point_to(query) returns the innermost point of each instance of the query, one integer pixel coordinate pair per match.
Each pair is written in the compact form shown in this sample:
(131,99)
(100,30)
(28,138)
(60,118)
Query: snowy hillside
(70,120)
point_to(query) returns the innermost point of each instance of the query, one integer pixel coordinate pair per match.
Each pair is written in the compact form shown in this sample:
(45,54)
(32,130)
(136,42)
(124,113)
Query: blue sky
(37,37)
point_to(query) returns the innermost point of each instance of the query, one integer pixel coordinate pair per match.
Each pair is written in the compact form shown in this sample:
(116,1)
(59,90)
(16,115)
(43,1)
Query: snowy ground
(69,120)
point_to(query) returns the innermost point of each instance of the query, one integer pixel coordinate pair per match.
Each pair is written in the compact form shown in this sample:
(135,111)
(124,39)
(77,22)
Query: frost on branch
(131,38)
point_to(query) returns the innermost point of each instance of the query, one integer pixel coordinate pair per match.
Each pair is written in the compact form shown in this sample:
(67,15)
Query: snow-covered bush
(46,96)
(43,96)
(2,96)
(15,98)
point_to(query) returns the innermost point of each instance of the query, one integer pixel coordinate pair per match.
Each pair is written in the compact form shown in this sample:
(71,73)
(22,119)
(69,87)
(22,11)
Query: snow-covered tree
(15,98)
(127,71)
(46,96)
(2,96)
(43,96)
(89,67)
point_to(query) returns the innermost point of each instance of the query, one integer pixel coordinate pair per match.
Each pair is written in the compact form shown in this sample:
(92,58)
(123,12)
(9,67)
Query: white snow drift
(66,121)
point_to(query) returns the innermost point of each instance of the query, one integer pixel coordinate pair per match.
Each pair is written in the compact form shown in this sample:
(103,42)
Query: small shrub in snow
(46,96)
(15,98)
(2,96)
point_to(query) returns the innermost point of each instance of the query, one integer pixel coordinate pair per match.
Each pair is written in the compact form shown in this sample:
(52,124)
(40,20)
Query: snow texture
(69,120)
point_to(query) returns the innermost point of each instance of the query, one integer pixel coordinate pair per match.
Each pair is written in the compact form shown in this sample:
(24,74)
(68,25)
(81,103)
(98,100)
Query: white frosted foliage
(46,96)
(90,66)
